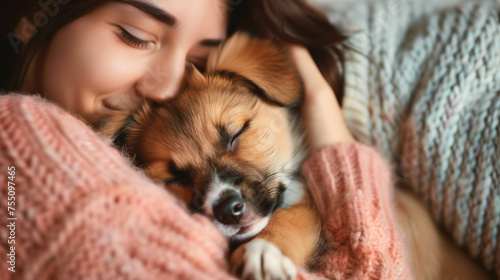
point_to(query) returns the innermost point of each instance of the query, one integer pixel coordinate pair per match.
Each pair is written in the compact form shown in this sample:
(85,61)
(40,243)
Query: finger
(308,70)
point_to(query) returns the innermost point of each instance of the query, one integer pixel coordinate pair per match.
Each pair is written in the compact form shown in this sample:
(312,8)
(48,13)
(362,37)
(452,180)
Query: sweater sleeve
(351,186)
(82,212)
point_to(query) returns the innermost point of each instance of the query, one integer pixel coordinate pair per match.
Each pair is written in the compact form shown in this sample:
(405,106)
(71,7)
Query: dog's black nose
(229,209)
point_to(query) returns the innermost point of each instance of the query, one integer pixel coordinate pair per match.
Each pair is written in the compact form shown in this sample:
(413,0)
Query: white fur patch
(263,260)
(294,190)
(226,230)
(215,188)
(252,231)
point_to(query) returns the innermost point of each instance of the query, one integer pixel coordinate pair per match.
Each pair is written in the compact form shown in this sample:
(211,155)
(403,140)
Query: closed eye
(133,40)
(235,138)
(185,181)
(231,141)
(171,181)
(179,176)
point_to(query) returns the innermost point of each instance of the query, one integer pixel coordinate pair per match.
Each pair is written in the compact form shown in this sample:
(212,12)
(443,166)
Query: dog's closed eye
(230,135)
(179,176)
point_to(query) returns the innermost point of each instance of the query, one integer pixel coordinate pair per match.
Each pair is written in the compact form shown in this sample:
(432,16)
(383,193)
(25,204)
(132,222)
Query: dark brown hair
(291,21)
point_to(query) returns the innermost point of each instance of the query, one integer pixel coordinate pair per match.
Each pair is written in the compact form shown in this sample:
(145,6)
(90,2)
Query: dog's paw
(261,260)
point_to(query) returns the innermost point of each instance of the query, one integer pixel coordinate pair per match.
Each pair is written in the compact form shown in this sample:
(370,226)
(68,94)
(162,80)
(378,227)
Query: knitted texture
(424,90)
(84,213)
(351,187)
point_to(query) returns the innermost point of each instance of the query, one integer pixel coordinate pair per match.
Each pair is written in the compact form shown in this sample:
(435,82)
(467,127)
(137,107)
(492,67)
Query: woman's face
(113,57)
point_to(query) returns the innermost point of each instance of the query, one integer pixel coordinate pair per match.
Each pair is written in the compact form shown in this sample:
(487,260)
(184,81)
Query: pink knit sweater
(82,212)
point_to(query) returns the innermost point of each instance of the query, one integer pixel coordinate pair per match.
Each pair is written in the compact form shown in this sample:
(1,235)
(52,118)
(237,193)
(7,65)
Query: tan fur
(295,231)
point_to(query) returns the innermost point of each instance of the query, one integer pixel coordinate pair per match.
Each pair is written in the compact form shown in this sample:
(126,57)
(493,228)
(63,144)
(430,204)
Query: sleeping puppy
(229,146)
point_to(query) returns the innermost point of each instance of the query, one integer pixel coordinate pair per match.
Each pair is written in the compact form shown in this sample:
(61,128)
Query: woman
(88,215)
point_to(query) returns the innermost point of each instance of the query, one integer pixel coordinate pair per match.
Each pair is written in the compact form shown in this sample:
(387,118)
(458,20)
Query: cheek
(280,147)
(276,126)
(84,60)
(157,169)
(182,193)
(269,145)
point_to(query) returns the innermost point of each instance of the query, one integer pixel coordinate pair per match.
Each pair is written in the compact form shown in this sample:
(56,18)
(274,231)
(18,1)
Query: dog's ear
(262,65)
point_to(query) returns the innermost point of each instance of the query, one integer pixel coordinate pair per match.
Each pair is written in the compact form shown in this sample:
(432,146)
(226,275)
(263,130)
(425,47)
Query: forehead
(192,121)
(196,15)
(211,106)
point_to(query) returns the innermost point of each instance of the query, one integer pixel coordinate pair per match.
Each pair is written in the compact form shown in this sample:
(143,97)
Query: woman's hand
(320,111)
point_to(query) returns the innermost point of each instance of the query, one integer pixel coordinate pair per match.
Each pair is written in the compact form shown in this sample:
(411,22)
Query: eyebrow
(165,17)
(154,11)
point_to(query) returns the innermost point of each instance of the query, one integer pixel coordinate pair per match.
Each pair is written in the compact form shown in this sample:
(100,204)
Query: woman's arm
(351,186)
(323,122)
(83,213)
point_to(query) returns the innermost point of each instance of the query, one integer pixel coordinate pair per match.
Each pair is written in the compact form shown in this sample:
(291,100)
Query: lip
(247,227)
(250,231)
(244,229)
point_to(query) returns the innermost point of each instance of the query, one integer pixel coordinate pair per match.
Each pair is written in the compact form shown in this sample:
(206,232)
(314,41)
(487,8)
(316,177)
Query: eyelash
(171,181)
(136,42)
(234,140)
(131,39)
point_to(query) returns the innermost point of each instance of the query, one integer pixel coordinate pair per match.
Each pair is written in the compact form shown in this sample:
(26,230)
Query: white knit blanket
(424,90)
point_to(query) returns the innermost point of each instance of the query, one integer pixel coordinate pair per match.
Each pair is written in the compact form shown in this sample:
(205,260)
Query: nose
(162,81)
(229,209)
